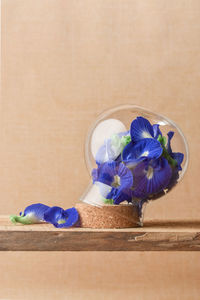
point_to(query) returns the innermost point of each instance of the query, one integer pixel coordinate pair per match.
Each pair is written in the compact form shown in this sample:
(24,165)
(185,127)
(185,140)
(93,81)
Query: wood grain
(154,236)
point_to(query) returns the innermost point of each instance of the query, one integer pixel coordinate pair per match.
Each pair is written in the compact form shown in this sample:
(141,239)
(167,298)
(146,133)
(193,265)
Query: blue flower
(146,168)
(143,143)
(61,218)
(32,214)
(133,153)
(151,177)
(37,213)
(177,156)
(118,178)
(141,128)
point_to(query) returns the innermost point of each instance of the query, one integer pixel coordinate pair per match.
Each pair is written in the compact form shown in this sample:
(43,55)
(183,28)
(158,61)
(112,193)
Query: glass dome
(133,155)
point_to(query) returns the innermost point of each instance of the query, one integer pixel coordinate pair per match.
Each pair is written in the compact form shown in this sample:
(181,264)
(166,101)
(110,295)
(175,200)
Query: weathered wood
(154,236)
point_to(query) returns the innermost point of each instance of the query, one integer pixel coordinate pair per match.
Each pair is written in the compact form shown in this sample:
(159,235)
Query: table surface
(154,236)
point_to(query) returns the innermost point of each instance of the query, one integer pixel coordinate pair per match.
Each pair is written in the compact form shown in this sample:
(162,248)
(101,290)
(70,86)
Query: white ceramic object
(103,131)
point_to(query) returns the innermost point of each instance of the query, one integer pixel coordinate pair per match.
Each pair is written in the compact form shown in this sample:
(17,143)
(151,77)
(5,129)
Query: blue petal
(146,148)
(156,131)
(54,214)
(126,177)
(105,172)
(37,209)
(123,192)
(170,136)
(61,218)
(175,155)
(123,195)
(179,158)
(72,217)
(120,195)
(112,194)
(151,177)
(140,129)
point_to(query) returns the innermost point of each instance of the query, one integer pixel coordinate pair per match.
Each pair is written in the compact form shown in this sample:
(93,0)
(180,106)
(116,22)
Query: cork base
(108,216)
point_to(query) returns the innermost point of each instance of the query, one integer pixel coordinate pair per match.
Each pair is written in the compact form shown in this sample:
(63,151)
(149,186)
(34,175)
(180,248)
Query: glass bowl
(133,156)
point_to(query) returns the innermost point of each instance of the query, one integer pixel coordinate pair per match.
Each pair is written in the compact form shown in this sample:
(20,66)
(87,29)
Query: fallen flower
(61,218)
(32,214)
(57,216)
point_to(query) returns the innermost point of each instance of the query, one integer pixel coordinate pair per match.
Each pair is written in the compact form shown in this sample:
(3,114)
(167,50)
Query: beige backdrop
(63,62)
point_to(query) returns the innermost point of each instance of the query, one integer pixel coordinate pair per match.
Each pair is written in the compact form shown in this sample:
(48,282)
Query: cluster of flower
(136,165)
(55,215)
(132,166)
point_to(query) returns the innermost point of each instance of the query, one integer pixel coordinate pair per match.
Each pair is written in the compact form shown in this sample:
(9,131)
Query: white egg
(103,131)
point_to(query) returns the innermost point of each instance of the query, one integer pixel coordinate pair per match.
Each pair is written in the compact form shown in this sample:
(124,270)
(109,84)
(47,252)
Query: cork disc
(107,216)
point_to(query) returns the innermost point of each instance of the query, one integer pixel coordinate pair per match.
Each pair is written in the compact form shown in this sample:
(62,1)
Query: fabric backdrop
(63,62)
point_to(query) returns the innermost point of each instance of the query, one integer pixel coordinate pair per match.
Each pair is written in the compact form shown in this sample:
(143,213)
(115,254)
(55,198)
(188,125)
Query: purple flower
(151,177)
(133,153)
(116,176)
(32,214)
(57,216)
(143,143)
(61,218)
(141,128)
(37,210)
(149,166)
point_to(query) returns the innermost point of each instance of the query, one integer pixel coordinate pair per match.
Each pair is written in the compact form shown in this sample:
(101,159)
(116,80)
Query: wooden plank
(154,236)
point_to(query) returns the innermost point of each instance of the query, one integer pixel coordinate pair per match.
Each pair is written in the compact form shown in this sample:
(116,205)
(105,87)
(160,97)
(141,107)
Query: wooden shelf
(154,236)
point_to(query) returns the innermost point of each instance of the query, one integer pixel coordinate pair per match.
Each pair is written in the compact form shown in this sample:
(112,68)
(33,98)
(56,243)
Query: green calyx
(165,154)
(26,220)
(120,142)
(21,219)
(108,201)
(125,140)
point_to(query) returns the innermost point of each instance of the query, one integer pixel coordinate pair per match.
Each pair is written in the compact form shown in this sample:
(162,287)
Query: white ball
(103,131)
